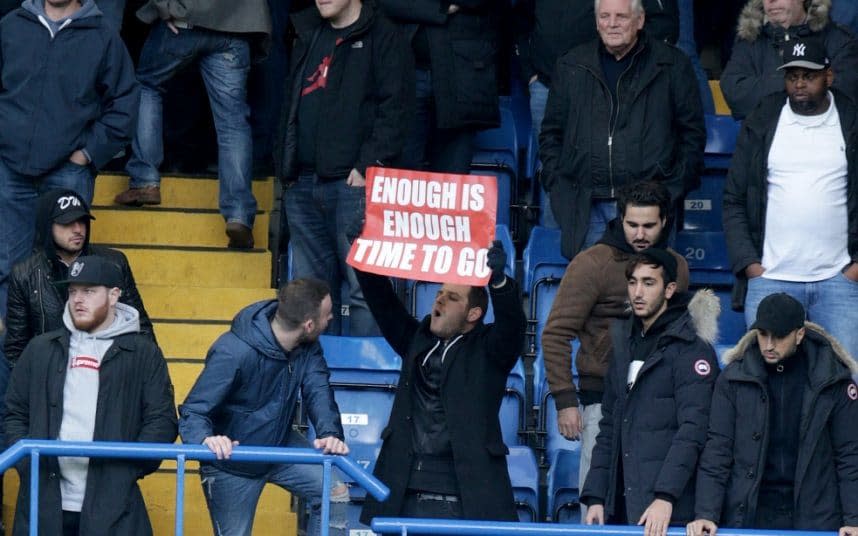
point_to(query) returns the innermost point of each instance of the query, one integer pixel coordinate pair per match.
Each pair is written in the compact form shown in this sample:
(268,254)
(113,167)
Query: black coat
(746,189)
(35,304)
(367,105)
(463,50)
(660,424)
(135,403)
(732,464)
(473,382)
(660,132)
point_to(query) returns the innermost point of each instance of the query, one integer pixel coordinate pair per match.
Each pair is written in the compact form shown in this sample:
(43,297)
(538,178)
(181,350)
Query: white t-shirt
(806,233)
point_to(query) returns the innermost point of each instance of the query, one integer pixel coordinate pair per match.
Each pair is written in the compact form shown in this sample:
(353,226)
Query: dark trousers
(774,510)
(417,505)
(71,523)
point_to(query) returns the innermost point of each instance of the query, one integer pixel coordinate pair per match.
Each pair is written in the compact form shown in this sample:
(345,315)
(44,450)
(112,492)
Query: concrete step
(185,340)
(168,227)
(199,267)
(199,303)
(182,192)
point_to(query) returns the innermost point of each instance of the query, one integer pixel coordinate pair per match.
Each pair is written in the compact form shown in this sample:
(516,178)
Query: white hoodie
(80,395)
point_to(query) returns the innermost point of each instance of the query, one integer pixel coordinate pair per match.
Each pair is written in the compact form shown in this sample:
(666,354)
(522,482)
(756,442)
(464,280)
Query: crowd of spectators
(314,93)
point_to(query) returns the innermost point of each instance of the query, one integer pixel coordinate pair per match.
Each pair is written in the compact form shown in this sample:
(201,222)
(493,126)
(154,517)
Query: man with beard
(95,379)
(656,402)
(791,197)
(36,303)
(443,455)
(247,394)
(782,451)
(592,293)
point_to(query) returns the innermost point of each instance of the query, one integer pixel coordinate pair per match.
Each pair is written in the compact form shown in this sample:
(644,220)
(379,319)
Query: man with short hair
(247,394)
(68,103)
(622,108)
(592,293)
(656,403)
(782,452)
(443,454)
(95,379)
(765,28)
(348,108)
(36,301)
(795,161)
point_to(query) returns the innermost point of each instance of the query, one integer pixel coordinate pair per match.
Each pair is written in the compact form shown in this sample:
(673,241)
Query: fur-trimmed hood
(750,339)
(704,309)
(753,17)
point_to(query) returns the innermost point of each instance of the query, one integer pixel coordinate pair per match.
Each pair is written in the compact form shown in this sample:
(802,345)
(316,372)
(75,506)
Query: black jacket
(463,50)
(550,28)
(660,424)
(751,74)
(473,381)
(135,403)
(369,99)
(731,466)
(659,134)
(35,304)
(746,189)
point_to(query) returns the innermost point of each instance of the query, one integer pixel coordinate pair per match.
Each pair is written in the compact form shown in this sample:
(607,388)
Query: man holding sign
(443,454)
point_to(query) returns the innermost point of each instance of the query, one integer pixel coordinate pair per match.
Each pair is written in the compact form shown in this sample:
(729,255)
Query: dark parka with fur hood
(752,73)
(660,424)
(35,304)
(732,464)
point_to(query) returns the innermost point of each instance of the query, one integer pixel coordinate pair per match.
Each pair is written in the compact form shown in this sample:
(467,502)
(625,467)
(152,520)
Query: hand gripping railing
(181,453)
(393,525)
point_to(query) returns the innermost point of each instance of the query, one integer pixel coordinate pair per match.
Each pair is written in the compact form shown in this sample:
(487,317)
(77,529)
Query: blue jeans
(224,61)
(431,148)
(688,45)
(845,12)
(601,212)
(538,99)
(320,214)
(232,499)
(829,303)
(18,195)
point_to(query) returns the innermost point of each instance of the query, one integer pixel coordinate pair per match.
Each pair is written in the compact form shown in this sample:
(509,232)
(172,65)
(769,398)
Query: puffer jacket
(733,462)
(35,303)
(752,74)
(660,423)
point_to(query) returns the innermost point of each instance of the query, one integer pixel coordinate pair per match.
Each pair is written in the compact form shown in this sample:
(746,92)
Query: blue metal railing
(182,453)
(393,525)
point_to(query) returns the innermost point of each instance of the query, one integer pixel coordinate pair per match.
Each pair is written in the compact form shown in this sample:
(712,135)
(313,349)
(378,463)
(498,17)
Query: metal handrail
(392,525)
(34,448)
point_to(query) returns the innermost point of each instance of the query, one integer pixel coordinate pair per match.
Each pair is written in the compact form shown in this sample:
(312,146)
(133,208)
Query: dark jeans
(416,505)
(430,148)
(774,511)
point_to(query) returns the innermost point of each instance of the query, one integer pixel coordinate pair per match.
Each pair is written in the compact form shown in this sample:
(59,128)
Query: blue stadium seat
(563,493)
(547,414)
(524,476)
(544,267)
(422,293)
(496,154)
(512,412)
(721,133)
(703,205)
(706,253)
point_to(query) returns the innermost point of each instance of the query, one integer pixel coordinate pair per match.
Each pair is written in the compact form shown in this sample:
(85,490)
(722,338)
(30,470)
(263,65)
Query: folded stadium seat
(702,207)
(512,412)
(544,267)
(496,154)
(721,134)
(706,254)
(563,493)
(524,475)
(422,293)
(547,411)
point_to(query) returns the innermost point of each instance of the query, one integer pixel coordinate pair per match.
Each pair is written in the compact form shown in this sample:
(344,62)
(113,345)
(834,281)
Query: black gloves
(496,261)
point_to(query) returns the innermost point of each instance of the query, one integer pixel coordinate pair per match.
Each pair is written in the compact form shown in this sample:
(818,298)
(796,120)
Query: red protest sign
(427,226)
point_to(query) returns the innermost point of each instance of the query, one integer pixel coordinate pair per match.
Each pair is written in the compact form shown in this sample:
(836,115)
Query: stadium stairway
(192,286)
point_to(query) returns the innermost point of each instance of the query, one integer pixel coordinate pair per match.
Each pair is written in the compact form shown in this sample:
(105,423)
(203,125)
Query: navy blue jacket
(826,474)
(657,429)
(75,90)
(248,389)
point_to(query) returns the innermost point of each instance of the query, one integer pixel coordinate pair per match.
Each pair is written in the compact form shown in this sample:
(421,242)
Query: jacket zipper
(614,124)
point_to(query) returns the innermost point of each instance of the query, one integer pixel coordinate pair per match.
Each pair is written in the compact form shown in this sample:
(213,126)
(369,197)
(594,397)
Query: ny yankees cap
(779,314)
(69,208)
(807,52)
(92,270)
